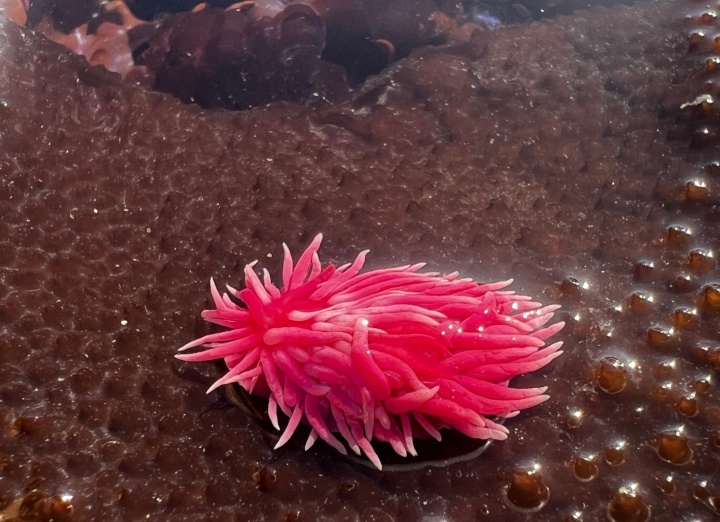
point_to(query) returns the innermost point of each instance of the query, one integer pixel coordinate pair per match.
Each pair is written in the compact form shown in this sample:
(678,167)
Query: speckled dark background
(545,152)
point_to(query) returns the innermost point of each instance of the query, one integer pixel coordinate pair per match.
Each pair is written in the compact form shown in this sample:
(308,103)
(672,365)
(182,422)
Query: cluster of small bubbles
(526,491)
(611,375)
(674,448)
(628,506)
(673,303)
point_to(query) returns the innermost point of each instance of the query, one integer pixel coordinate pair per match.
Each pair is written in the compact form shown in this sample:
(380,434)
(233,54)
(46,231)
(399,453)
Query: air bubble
(611,375)
(526,492)
(660,337)
(701,260)
(708,17)
(571,287)
(714,359)
(666,484)
(663,370)
(702,386)
(641,302)
(575,418)
(697,190)
(645,271)
(677,235)
(585,469)
(684,318)
(687,406)
(701,353)
(628,506)
(702,494)
(683,283)
(710,298)
(614,455)
(674,449)
(698,40)
(662,393)
(706,135)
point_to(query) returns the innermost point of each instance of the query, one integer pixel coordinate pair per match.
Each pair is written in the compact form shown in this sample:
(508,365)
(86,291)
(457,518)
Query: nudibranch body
(386,354)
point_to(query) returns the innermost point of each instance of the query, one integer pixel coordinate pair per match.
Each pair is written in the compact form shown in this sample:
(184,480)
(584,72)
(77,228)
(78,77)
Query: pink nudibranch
(387,354)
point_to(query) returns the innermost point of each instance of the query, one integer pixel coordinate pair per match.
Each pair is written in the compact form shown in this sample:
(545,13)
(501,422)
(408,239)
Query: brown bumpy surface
(554,153)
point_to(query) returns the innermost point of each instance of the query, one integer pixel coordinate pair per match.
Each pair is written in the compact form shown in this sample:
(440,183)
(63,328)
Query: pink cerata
(388,354)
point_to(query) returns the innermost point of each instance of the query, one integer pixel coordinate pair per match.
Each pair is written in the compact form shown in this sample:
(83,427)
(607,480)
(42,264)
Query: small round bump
(708,17)
(683,284)
(611,375)
(698,39)
(684,318)
(702,385)
(614,455)
(701,260)
(663,392)
(645,271)
(673,448)
(526,492)
(641,302)
(628,506)
(710,298)
(713,168)
(572,287)
(666,484)
(660,337)
(585,469)
(575,418)
(677,235)
(706,135)
(697,189)
(688,405)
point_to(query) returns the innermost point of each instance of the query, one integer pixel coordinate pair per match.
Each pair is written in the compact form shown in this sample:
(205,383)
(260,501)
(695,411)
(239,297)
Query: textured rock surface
(552,153)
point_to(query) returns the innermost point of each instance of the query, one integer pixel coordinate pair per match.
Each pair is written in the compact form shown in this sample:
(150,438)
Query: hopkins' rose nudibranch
(388,354)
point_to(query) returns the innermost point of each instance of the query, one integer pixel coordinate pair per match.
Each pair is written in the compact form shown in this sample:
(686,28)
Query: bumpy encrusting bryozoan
(387,354)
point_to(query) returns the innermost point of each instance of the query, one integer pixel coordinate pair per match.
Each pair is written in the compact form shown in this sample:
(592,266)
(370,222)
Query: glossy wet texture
(455,447)
(252,53)
(555,153)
